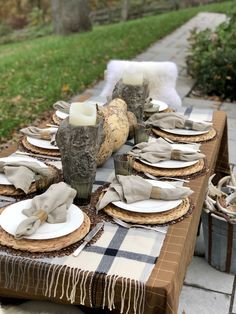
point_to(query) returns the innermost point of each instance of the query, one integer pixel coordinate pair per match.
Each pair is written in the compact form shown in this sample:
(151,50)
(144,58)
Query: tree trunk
(143,4)
(70,16)
(125,10)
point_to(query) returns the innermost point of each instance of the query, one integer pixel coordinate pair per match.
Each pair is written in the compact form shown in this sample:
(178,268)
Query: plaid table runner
(129,254)
(120,254)
(121,257)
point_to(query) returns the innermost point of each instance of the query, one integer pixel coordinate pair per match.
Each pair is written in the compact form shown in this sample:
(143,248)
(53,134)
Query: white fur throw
(161,78)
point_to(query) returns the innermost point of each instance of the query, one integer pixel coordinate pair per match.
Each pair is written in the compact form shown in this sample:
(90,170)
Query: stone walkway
(206,290)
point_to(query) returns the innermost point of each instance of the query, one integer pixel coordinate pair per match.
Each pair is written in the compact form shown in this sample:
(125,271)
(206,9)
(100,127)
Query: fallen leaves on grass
(16,100)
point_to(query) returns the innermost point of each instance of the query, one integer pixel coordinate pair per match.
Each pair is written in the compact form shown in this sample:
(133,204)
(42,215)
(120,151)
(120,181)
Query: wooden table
(165,282)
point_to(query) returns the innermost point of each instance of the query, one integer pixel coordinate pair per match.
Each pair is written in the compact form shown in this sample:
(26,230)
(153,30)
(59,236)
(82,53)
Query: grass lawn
(36,73)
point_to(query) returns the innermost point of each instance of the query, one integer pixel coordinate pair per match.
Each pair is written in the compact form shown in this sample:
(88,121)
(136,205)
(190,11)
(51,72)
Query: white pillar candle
(132,78)
(82,113)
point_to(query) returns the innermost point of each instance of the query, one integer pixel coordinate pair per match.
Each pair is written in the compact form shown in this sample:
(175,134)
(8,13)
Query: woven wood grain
(150,218)
(55,119)
(186,139)
(45,245)
(40,184)
(161,172)
(38,150)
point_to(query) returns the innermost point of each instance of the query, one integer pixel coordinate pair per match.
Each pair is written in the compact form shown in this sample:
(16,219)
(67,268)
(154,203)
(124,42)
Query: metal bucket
(220,242)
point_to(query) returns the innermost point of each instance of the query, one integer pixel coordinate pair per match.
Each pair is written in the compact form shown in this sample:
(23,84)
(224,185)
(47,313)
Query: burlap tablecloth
(165,282)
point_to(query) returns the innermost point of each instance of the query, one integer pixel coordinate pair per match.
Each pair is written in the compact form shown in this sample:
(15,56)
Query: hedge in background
(212,59)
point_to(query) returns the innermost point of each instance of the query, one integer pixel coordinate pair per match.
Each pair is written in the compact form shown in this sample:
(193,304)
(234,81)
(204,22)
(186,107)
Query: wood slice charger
(149,218)
(46,245)
(39,185)
(39,150)
(186,138)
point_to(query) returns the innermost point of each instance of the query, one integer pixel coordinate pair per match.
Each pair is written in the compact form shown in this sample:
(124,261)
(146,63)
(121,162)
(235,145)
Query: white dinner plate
(41,143)
(75,218)
(171,164)
(186,147)
(157,103)
(61,115)
(184,131)
(3,178)
(151,205)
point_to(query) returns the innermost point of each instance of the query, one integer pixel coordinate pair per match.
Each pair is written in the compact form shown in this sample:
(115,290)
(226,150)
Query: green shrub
(35,17)
(212,59)
(5,29)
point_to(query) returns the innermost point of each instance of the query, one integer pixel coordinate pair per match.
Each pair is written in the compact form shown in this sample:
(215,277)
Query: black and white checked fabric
(128,253)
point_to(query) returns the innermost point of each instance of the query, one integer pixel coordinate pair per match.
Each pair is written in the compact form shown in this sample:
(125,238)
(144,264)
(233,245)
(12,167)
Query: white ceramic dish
(3,179)
(184,132)
(61,115)
(41,143)
(171,164)
(151,205)
(157,103)
(186,147)
(75,218)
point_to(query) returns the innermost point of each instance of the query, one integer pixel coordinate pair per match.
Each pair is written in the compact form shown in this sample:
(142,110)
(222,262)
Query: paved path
(206,290)
(174,48)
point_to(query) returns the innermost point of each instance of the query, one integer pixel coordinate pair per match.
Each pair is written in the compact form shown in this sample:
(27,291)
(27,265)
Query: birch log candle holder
(79,145)
(133,89)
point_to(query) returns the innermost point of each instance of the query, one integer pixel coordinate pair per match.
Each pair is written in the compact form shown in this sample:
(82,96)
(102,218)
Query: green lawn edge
(36,73)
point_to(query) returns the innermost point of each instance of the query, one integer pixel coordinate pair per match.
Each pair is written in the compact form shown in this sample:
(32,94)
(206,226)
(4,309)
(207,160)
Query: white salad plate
(12,216)
(61,115)
(41,143)
(184,131)
(171,164)
(151,205)
(174,164)
(157,104)
(3,178)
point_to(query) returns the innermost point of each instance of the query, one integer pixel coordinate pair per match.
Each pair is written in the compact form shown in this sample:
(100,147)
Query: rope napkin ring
(175,154)
(45,135)
(42,215)
(155,193)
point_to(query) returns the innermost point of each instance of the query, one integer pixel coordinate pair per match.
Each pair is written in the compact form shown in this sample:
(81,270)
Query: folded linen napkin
(22,173)
(62,106)
(132,189)
(173,120)
(43,134)
(161,150)
(51,206)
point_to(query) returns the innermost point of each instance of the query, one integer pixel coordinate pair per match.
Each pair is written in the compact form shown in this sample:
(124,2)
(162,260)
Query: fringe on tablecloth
(76,285)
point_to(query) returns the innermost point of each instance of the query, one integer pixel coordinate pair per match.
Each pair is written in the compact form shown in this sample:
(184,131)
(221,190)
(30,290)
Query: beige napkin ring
(175,154)
(45,136)
(188,124)
(42,215)
(155,193)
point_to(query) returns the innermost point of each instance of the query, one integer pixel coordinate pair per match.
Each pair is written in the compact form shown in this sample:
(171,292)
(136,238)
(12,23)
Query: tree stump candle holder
(134,96)
(79,147)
